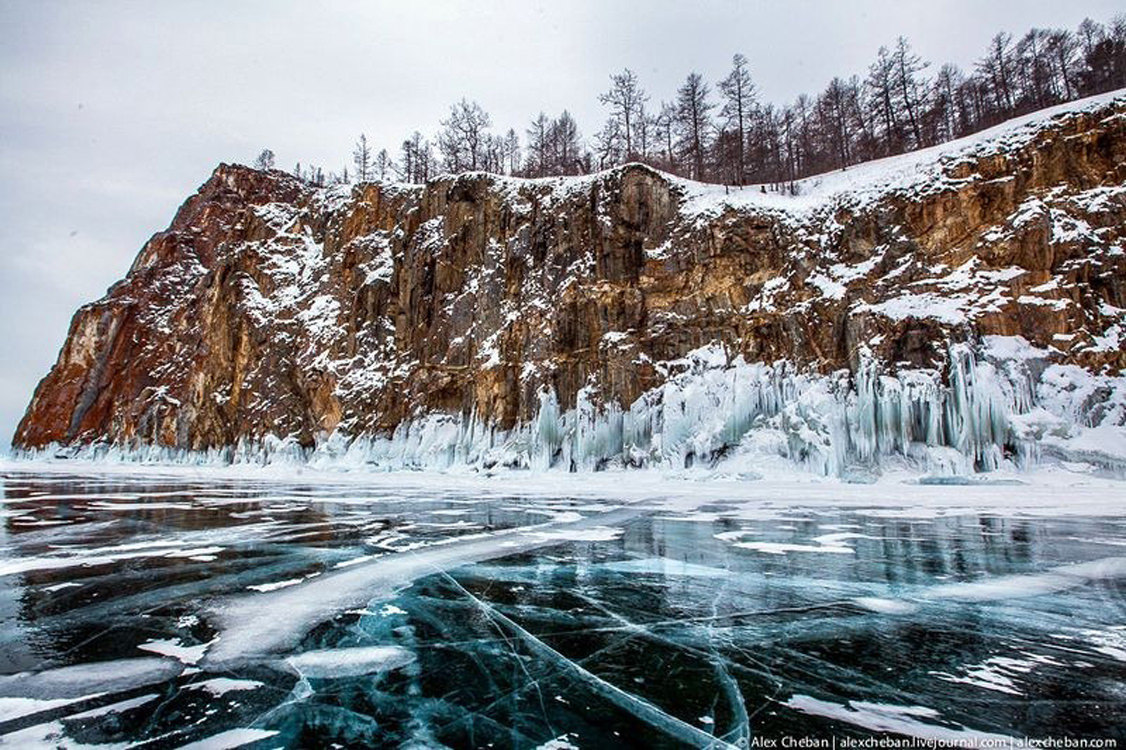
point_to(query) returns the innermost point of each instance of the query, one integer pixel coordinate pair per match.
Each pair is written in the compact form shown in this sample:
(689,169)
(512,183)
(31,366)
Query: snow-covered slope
(957,309)
(912,175)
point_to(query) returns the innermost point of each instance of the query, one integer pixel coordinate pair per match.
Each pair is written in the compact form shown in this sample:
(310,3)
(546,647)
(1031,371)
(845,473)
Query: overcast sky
(112,113)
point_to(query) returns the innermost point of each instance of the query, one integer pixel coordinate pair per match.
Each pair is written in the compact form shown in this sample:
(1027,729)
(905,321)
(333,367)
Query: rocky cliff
(963,300)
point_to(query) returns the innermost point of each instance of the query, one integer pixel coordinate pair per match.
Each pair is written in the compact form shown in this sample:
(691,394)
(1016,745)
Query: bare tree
(833,108)
(361,159)
(666,125)
(1090,33)
(692,107)
(264,160)
(644,133)
(416,162)
(512,151)
(896,107)
(626,100)
(407,160)
(1062,46)
(946,116)
(538,146)
(881,100)
(907,67)
(464,136)
(382,165)
(996,67)
(739,98)
(565,145)
(609,145)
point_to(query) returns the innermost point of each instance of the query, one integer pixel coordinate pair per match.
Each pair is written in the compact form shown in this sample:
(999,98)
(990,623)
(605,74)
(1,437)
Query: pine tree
(1105,62)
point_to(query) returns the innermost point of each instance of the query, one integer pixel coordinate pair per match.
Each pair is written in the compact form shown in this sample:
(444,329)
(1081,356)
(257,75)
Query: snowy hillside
(913,175)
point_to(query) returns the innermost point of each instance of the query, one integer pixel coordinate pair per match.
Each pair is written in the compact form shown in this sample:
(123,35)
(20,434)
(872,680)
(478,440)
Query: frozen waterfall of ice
(999,403)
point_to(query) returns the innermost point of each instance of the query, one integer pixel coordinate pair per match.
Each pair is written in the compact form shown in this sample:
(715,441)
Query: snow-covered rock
(958,309)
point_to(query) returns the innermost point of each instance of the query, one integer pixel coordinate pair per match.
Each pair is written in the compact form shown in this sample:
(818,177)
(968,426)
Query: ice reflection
(306,615)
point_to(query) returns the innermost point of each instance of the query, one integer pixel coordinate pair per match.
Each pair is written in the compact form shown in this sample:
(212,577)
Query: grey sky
(112,113)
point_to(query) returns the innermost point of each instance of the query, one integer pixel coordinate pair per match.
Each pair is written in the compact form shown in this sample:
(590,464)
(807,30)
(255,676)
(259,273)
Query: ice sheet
(589,598)
(350,662)
(901,720)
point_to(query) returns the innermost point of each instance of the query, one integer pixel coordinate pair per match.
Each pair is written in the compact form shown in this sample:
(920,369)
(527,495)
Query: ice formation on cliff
(1001,404)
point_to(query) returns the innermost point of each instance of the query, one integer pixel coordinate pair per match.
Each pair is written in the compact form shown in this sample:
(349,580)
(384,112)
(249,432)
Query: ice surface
(998,673)
(1111,641)
(275,585)
(47,736)
(1035,584)
(222,685)
(663,566)
(350,662)
(232,738)
(81,680)
(14,708)
(781,548)
(251,626)
(885,606)
(593,534)
(904,720)
(174,648)
(642,709)
(116,708)
(559,743)
(576,608)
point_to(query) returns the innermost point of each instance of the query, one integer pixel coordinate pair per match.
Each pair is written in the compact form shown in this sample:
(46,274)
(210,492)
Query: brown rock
(269,307)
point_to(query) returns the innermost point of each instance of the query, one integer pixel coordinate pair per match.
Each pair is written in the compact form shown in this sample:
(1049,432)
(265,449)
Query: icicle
(1000,406)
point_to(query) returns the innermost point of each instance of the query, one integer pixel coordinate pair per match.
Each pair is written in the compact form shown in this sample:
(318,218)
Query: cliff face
(271,308)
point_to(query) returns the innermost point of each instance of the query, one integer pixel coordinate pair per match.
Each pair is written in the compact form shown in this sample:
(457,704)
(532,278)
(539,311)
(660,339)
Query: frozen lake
(158,611)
